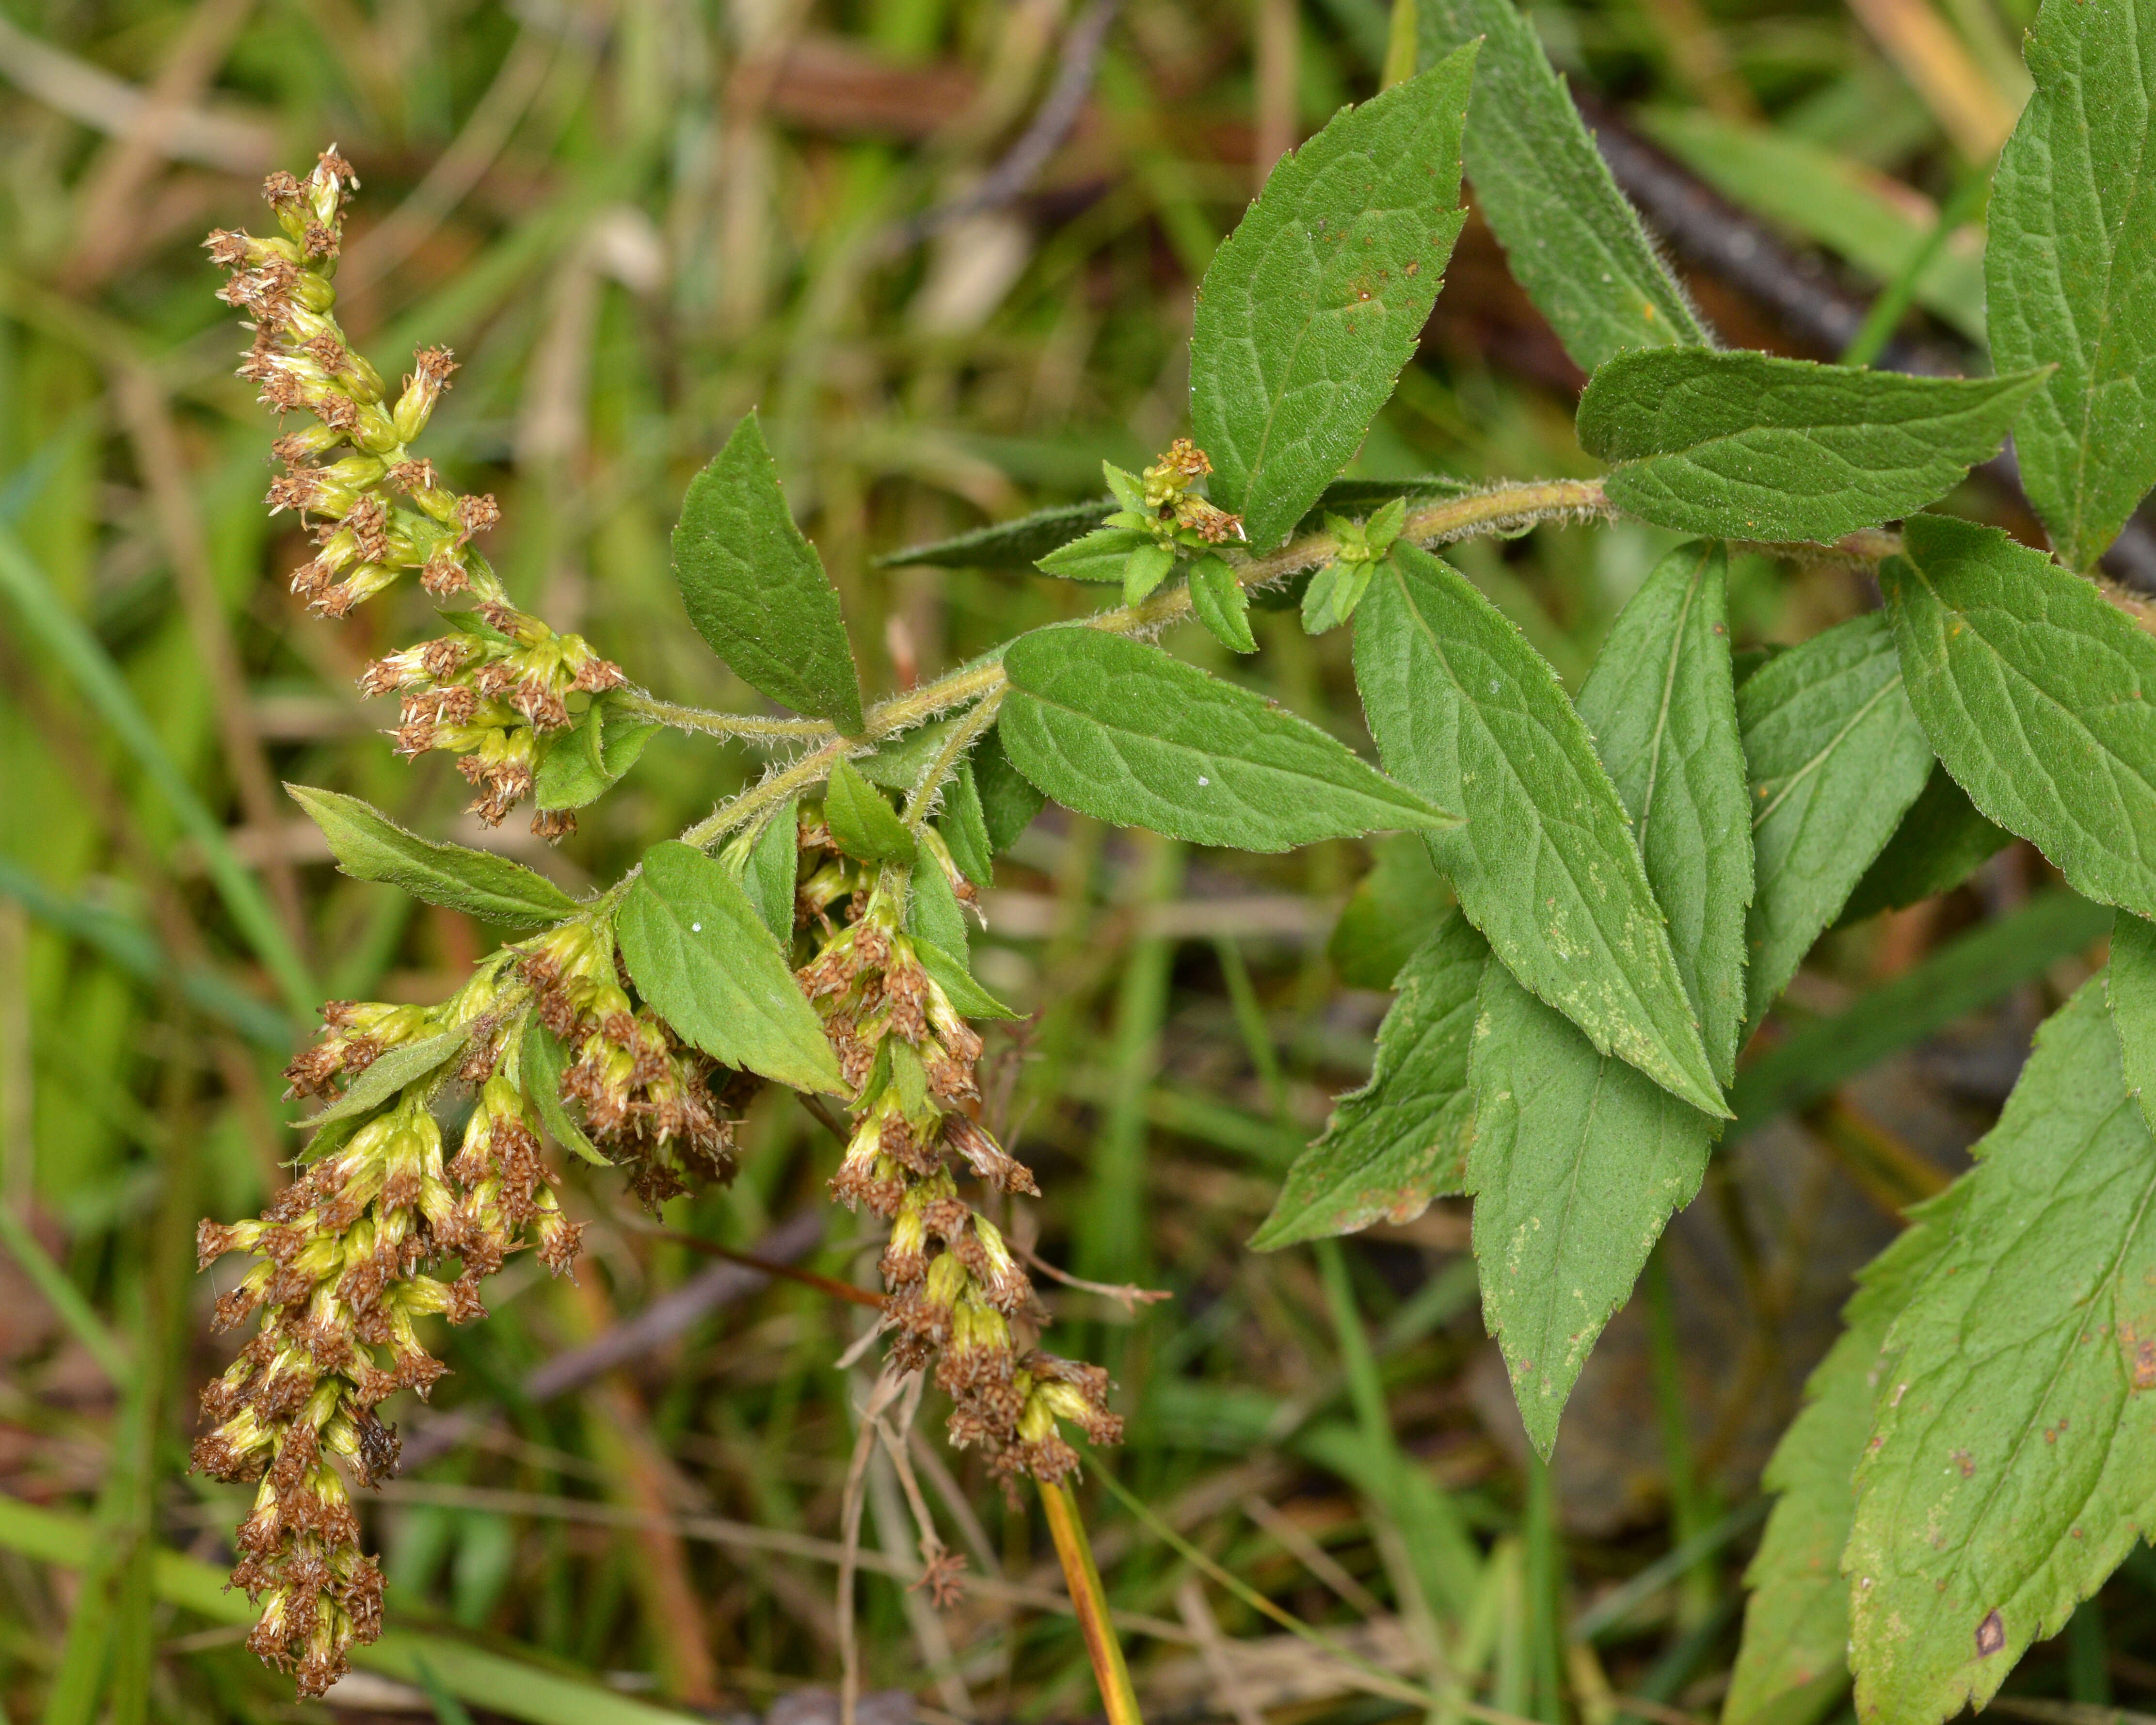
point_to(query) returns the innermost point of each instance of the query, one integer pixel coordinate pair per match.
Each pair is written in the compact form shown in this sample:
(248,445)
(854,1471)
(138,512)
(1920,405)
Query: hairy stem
(963,735)
(1118,1700)
(766,793)
(717,723)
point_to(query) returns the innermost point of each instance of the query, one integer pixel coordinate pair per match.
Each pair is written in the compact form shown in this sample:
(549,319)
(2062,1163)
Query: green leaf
(1793,1662)
(1117,730)
(1661,704)
(2132,994)
(1007,544)
(1836,757)
(1009,800)
(965,829)
(2040,697)
(1466,713)
(1144,569)
(582,765)
(756,590)
(769,868)
(1573,241)
(2012,1461)
(1753,447)
(948,972)
(700,954)
(2067,269)
(1332,595)
(1401,1140)
(369,846)
(1393,911)
(1939,845)
(1217,600)
(1577,1161)
(1101,555)
(407,1064)
(542,1060)
(933,911)
(863,823)
(1317,299)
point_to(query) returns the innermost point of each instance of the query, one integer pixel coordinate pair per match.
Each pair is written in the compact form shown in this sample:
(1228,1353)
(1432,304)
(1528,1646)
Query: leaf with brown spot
(2056,1246)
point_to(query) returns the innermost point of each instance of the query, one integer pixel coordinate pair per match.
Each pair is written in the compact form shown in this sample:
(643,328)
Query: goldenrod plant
(1639,869)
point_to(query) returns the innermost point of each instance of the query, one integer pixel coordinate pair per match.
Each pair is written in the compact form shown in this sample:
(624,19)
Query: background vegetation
(947,246)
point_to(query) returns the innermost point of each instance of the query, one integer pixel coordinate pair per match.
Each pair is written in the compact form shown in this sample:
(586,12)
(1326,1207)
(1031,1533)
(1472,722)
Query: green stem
(720,724)
(962,737)
(1118,1700)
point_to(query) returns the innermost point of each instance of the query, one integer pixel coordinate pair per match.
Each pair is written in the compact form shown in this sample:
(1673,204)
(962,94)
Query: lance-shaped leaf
(1401,1140)
(2040,697)
(1102,555)
(1749,446)
(1119,730)
(756,590)
(1939,845)
(541,1061)
(586,762)
(932,909)
(863,825)
(1317,300)
(1469,714)
(699,953)
(1662,706)
(1574,242)
(1793,1664)
(965,829)
(369,846)
(1836,757)
(383,1077)
(2070,269)
(948,971)
(1578,1159)
(2132,997)
(2012,1461)
(769,864)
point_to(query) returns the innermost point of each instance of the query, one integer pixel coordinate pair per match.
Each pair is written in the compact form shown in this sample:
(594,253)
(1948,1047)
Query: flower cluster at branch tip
(956,1289)
(1166,496)
(492,692)
(1160,518)
(340,1278)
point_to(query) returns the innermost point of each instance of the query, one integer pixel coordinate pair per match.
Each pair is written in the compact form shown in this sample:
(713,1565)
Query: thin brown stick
(808,1278)
(1128,1295)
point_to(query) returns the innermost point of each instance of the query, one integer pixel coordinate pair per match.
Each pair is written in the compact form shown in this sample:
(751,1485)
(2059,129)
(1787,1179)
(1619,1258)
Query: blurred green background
(947,247)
